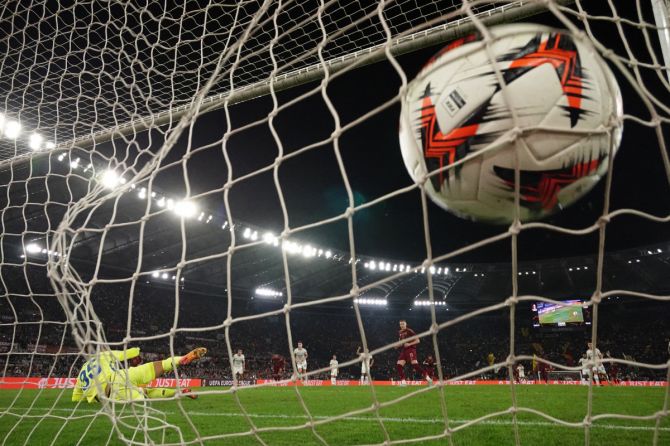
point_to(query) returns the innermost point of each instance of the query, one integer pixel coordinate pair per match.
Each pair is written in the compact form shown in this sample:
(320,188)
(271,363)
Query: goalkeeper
(104,375)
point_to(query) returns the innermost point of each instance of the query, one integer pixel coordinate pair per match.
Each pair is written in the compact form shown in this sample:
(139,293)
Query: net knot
(349,212)
(607,53)
(228,322)
(355,291)
(287,308)
(515,228)
(434,328)
(512,300)
(336,133)
(597,297)
(603,220)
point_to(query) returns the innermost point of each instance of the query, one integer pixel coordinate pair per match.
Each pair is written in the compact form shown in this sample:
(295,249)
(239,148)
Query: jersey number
(86,376)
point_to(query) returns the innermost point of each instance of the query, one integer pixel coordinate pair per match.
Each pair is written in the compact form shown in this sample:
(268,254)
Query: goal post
(661,10)
(169,180)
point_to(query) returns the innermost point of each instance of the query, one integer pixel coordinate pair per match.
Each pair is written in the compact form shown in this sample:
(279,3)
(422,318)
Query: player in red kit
(429,366)
(278,363)
(408,353)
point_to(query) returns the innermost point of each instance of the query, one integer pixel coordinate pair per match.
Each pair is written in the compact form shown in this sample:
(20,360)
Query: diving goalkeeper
(104,375)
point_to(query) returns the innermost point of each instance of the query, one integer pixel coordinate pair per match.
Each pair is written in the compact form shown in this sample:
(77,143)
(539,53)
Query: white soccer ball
(455,114)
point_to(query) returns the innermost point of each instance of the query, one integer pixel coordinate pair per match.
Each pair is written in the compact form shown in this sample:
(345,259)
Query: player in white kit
(521,372)
(366,364)
(585,373)
(333,370)
(238,365)
(598,369)
(300,355)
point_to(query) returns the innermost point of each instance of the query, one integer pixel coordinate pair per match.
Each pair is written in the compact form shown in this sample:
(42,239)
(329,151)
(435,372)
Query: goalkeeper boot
(188,393)
(193,355)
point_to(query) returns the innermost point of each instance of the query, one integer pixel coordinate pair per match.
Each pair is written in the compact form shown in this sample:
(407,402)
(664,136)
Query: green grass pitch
(22,419)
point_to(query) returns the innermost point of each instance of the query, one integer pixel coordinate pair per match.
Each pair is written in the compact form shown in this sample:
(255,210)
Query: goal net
(228,175)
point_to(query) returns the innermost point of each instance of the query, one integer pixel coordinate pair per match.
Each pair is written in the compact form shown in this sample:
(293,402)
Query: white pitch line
(388,419)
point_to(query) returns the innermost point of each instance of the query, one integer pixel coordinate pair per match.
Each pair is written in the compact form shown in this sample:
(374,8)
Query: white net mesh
(119,116)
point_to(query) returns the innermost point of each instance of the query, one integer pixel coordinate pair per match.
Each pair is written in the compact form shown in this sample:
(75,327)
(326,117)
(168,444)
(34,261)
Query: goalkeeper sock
(168,364)
(401,372)
(160,393)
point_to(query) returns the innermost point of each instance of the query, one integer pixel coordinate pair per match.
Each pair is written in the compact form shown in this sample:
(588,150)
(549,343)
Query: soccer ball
(457,132)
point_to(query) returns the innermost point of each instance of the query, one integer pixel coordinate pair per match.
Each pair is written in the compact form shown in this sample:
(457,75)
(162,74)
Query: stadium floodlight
(432,270)
(155,274)
(33,248)
(185,208)
(35,141)
(268,238)
(373,265)
(427,303)
(329,254)
(12,129)
(658,250)
(164,276)
(371,301)
(161,202)
(170,204)
(268,292)
(75,164)
(110,179)
(308,251)
(50,145)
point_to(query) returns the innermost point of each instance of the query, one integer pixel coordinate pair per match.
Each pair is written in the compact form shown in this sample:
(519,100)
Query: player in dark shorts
(278,364)
(429,366)
(408,354)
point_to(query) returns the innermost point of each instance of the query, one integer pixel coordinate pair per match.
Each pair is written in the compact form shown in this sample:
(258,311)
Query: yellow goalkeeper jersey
(97,372)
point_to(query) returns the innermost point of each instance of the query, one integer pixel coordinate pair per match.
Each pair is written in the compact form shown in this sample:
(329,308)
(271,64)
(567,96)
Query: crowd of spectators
(36,341)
